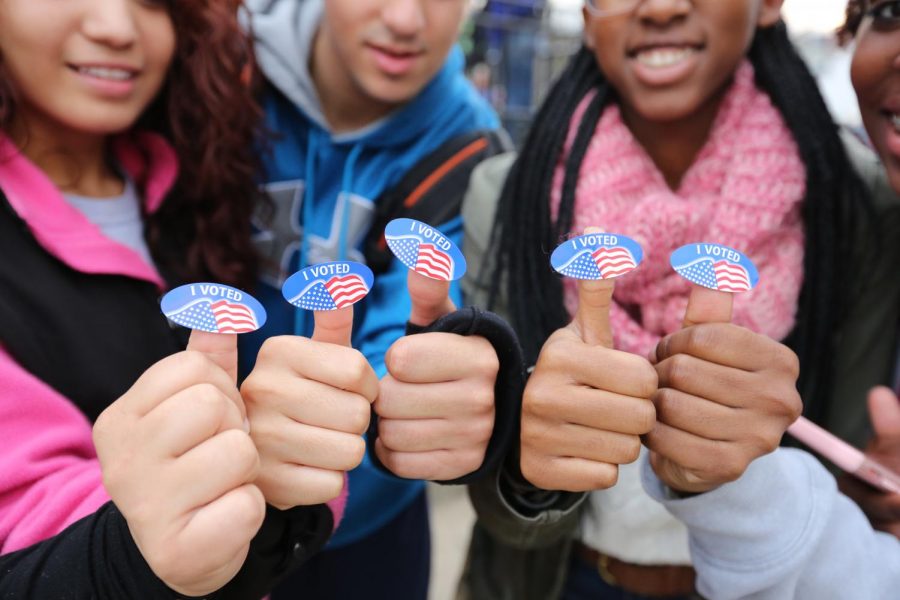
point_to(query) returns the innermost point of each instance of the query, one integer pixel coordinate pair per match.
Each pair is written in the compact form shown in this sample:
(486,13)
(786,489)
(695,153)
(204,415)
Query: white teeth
(895,121)
(659,58)
(106,73)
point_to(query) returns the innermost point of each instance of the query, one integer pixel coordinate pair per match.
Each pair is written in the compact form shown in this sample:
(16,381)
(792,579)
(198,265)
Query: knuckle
(603,476)
(535,434)
(241,451)
(273,347)
(482,400)
(700,338)
(678,372)
(539,398)
(482,430)
(647,379)
(356,452)
(485,358)
(645,417)
(359,417)
(357,370)
(400,357)
(631,450)
(555,356)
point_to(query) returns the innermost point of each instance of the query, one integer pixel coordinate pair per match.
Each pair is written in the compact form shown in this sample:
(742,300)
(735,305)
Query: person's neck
(345,106)
(76,162)
(674,145)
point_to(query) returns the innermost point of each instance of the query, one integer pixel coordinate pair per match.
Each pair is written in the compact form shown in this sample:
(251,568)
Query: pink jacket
(49,473)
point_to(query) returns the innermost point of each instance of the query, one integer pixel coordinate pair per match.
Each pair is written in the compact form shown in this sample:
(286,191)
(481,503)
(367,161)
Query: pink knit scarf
(744,190)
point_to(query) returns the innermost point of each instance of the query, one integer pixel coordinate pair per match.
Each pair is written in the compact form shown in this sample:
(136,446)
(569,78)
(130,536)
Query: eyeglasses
(607,8)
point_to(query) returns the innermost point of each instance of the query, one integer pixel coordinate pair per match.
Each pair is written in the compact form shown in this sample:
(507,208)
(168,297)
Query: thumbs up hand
(726,396)
(308,402)
(178,463)
(882,508)
(585,405)
(435,406)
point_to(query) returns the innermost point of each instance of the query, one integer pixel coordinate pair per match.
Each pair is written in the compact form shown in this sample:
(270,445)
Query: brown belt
(644,580)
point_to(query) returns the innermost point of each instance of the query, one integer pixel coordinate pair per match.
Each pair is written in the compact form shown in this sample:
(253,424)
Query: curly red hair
(208,112)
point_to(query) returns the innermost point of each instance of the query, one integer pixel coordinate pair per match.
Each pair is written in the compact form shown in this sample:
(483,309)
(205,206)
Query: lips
(664,63)
(110,81)
(394,61)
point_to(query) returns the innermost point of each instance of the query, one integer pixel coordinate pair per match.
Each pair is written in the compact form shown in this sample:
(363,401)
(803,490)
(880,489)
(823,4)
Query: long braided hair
(834,209)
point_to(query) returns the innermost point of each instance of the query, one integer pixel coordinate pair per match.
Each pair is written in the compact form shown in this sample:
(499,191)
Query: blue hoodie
(325,185)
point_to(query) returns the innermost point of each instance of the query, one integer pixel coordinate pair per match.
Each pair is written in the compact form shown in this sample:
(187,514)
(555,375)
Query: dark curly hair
(208,112)
(836,209)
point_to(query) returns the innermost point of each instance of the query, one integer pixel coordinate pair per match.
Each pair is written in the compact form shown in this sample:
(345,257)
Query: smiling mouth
(107,73)
(894,120)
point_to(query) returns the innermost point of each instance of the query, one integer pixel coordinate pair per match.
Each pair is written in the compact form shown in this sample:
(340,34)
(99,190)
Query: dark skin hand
(726,396)
(882,508)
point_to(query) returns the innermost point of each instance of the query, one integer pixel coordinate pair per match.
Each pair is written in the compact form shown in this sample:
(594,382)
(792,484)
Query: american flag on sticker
(333,294)
(434,262)
(614,262)
(216,317)
(715,274)
(426,259)
(346,290)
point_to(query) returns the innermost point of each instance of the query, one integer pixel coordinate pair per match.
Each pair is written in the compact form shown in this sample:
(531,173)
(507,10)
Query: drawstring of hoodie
(301,317)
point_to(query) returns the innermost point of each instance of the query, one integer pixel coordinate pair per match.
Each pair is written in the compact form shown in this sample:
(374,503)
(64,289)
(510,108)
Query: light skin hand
(309,402)
(436,403)
(177,462)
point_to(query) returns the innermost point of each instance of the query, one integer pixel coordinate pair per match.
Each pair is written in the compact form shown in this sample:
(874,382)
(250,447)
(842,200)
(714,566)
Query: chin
(105,125)
(663,111)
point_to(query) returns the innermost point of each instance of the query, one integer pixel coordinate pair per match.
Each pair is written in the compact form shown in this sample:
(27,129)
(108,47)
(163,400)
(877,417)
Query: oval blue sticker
(716,267)
(328,286)
(425,250)
(597,256)
(214,308)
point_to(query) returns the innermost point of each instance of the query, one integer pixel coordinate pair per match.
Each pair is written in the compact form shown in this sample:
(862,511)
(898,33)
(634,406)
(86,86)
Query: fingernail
(246,425)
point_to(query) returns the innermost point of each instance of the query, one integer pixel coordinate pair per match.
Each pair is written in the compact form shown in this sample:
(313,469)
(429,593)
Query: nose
(664,12)
(110,22)
(405,18)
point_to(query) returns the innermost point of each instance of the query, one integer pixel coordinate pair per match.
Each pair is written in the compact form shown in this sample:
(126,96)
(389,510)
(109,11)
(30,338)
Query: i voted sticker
(425,250)
(328,286)
(597,256)
(715,267)
(214,308)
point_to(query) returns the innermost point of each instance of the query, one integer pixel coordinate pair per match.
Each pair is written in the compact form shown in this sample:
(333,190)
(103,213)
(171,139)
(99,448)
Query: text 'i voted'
(328,286)
(596,256)
(716,267)
(213,308)
(425,250)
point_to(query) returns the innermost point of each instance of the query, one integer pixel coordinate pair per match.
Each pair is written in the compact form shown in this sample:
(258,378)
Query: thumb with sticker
(220,348)
(435,405)
(184,420)
(309,399)
(430,299)
(586,404)
(333,326)
(726,394)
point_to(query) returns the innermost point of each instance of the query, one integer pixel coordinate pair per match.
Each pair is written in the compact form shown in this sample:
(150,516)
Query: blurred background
(515,49)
